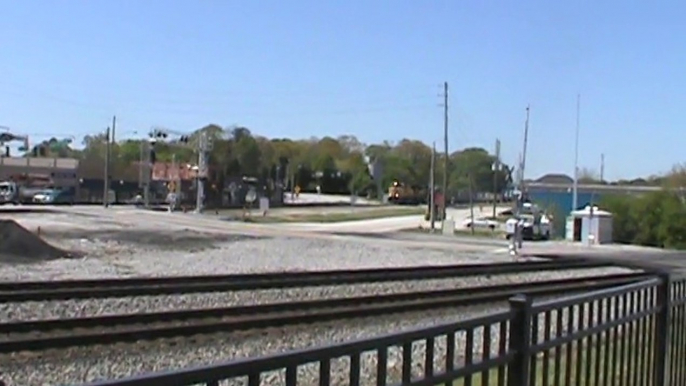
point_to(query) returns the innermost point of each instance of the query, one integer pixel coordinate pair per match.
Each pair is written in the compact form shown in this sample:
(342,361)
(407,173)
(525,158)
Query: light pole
(575,197)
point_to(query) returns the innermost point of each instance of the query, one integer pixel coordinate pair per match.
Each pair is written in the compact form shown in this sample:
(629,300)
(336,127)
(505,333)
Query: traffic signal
(7,151)
(184,139)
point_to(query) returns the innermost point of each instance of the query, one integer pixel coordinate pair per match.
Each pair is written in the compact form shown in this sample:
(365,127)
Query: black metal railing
(630,335)
(675,335)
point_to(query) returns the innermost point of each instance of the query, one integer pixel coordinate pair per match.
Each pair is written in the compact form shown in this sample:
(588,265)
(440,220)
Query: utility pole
(106,177)
(204,146)
(471,201)
(109,139)
(602,168)
(496,174)
(575,194)
(526,142)
(174,181)
(432,189)
(518,236)
(146,148)
(447,154)
(522,164)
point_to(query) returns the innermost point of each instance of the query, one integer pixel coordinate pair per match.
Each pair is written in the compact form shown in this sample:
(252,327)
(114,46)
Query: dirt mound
(20,244)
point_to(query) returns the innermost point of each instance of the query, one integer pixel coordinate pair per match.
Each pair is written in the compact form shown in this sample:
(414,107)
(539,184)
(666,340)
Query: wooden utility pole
(432,189)
(106,176)
(447,155)
(496,174)
(471,201)
(109,139)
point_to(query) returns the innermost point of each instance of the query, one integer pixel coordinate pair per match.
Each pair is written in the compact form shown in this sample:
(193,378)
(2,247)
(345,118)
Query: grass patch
(334,217)
(479,232)
(588,362)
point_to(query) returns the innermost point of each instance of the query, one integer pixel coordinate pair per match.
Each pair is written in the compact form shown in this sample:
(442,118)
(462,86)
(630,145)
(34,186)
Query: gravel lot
(113,249)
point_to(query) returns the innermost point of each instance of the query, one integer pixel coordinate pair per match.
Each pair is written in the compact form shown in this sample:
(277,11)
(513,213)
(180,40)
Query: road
(377,225)
(377,231)
(313,198)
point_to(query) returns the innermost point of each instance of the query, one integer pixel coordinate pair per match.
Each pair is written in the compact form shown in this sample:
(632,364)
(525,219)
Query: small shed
(589,225)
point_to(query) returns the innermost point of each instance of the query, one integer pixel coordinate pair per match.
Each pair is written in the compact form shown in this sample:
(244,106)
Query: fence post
(520,341)
(662,330)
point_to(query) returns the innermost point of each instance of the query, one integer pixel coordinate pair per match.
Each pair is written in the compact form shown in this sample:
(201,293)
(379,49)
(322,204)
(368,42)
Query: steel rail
(125,287)
(126,328)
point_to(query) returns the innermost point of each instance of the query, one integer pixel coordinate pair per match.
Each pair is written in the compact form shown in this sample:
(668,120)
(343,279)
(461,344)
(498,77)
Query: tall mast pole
(575,194)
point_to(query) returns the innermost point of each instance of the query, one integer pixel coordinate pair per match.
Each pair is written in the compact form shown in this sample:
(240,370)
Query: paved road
(385,225)
(313,198)
(650,258)
(158,220)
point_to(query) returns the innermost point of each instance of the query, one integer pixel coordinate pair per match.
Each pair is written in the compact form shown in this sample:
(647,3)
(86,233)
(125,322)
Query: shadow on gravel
(23,210)
(182,240)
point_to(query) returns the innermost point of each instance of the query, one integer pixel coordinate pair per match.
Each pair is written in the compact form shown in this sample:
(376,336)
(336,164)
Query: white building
(589,226)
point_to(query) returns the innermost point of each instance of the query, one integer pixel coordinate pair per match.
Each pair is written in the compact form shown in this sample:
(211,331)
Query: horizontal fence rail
(630,335)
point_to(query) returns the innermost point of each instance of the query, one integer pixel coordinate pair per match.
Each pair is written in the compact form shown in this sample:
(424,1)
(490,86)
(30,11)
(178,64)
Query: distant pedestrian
(171,201)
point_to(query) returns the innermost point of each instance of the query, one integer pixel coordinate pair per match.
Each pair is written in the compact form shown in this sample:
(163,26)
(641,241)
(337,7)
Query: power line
(199,104)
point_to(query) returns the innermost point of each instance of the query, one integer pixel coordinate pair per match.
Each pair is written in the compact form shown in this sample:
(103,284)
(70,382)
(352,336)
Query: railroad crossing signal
(158,134)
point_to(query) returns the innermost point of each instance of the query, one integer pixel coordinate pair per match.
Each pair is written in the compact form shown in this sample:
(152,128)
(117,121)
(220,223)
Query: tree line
(337,165)
(655,219)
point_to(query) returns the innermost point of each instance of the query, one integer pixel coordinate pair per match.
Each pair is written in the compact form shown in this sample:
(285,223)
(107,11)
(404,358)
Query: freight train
(402,194)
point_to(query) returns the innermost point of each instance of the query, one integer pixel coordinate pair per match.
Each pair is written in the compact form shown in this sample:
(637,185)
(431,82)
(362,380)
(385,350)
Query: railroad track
(124,287)
(98,330)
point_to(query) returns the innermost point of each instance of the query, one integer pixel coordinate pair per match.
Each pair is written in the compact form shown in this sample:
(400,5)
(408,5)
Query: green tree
(672,229)
(624,222)
(656,219)
(477,164)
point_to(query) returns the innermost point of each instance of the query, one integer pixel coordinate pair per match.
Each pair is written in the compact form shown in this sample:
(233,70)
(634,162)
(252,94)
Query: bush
(656,219)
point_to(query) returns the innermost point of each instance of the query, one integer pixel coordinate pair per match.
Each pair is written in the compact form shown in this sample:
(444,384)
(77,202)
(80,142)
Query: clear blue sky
(368,68)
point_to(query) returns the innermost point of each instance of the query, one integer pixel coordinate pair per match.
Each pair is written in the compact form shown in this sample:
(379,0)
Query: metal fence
(629,336)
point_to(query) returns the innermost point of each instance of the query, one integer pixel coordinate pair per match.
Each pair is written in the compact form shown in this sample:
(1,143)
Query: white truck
(13,193)
(535,224)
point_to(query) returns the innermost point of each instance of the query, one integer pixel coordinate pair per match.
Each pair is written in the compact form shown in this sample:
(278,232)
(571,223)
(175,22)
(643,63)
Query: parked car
(483,223)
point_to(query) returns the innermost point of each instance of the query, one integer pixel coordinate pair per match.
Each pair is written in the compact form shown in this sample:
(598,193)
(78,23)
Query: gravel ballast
(74,366)
(81,365)
(91,307)
(119,257)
